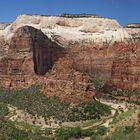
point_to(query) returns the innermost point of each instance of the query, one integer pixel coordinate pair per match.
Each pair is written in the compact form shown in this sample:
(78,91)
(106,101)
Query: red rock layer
(126,69)
(68,73)
(34,59)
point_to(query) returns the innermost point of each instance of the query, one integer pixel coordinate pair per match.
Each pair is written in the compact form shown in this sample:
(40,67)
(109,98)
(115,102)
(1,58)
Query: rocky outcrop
(79,15)
(126,67)
(30,41)
(4,25)
(133,25)
(66,54)
(71,29)
(67,83)
(33,58)
(30,52)
(133,30)
(77,35)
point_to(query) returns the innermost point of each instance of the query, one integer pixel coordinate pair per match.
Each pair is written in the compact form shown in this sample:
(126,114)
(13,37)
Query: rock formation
(4,25)
(66,53)
(133,30)
(133,25)
(33,58)
(126,67)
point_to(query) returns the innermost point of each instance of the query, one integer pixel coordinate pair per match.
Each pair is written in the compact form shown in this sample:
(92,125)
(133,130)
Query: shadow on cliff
(28,39)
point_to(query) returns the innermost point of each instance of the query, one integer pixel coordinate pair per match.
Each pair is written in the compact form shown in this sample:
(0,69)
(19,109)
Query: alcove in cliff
(27,40)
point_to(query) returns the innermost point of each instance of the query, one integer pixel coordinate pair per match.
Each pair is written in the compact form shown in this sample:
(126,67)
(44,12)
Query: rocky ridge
(70,29)
(133,30)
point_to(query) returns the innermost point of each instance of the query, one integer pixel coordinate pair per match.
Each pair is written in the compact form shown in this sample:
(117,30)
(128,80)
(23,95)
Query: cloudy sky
(125,11)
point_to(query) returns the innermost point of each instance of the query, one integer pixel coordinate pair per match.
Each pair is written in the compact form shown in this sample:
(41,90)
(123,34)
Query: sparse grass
(89,123)
(123,115)
(26,126)
(67,132)
(122,134)
(8,131)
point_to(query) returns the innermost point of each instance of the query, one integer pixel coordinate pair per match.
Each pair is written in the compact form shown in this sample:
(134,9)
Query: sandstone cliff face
(32,58)
(133,30)
(71,29)
(65,55)
(97,60)
(30,41)
(126,69)
(90,40)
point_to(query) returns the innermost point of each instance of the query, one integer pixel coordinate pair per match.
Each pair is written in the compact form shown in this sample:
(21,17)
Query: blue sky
(125,11)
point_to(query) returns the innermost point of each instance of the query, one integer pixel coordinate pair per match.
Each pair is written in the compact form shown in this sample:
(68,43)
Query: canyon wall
(32,58)
(67,54)
(126,67)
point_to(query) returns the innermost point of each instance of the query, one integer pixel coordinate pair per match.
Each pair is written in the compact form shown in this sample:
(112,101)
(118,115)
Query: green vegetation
(124,93)
(36,103)
(26,126)
(93,110)
(4,111)
(89,122)
(97,84)
(130,96)
(123,115)
(31,100)
(124,133)
(8,131)
(66,133)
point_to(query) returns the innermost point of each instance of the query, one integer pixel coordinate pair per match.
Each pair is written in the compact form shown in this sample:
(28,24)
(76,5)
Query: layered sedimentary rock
(133,25)
(126,67)
(133,30)
(65,54)
(32,58)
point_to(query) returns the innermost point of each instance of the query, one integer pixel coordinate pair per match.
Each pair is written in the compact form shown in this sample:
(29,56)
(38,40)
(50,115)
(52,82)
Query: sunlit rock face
(79,33)
(133,30)
(126,68)
(30,40)
(66,54)
(32,58)
(76,28)
(4,25)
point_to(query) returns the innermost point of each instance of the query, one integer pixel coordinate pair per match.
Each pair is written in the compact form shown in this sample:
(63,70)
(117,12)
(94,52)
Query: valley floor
(118,120)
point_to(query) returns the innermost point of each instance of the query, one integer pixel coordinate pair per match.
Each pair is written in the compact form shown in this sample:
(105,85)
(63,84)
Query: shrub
(66,133)
(128,129)
(4,111)
(97,84)
(102,130)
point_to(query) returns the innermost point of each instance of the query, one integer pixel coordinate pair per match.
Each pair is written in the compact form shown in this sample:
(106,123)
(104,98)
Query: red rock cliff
(32,58)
